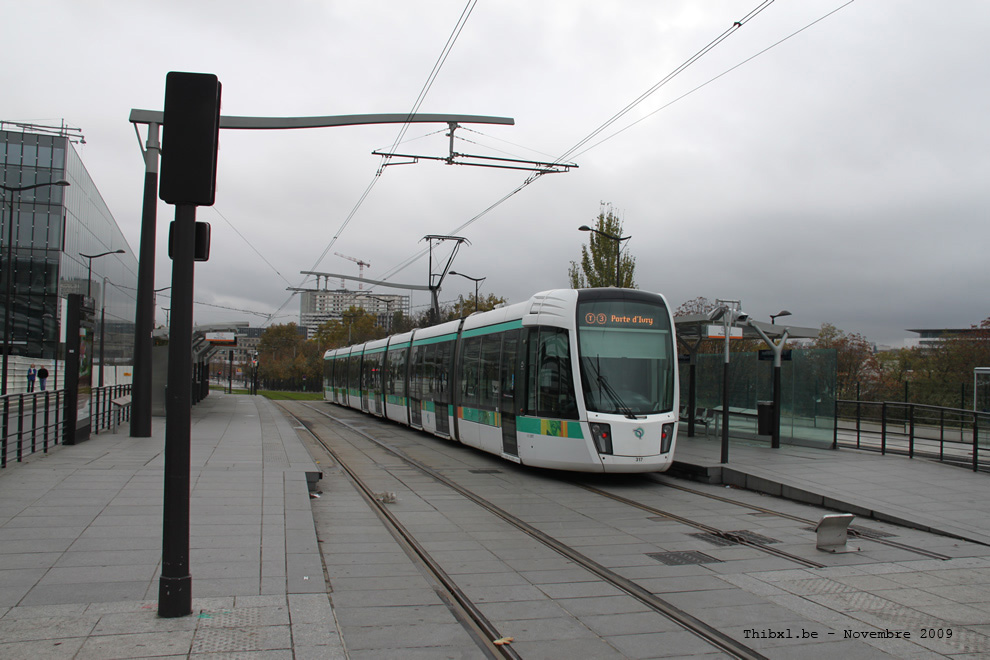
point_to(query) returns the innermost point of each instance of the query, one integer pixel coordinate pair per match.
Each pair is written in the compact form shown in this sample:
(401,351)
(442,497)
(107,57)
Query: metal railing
(951,435)
(35,421)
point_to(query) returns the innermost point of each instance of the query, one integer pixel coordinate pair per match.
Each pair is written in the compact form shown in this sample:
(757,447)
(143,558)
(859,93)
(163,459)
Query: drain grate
(682,558)
(753,537)
(714,539)
(486,471)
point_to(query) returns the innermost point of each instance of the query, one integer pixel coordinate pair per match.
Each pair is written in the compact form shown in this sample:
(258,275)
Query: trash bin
(764,417)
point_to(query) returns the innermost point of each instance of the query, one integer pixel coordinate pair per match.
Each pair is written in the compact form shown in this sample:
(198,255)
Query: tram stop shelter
(202,350)
(773,392)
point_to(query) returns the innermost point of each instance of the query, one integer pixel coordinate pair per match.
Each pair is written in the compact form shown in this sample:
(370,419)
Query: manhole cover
(682,558)
(486,471)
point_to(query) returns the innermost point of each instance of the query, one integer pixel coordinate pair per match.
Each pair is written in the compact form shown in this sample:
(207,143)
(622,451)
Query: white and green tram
(581,380)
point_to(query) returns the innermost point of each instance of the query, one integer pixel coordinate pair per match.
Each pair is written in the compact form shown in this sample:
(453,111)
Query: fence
(951,435)
(32,422)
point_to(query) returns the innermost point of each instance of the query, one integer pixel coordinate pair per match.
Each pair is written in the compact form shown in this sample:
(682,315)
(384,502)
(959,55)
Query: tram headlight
(602,433)
(666,438)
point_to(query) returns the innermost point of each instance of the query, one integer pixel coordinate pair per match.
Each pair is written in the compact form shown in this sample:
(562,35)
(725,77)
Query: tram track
(733,537)
(481,629)
(690,623)
(860,533)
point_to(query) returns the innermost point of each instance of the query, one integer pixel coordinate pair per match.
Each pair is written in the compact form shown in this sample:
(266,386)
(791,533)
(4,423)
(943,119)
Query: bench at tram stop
(117,408)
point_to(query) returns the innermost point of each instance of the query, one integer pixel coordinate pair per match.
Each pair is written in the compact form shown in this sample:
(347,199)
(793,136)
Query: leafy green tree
(597,267)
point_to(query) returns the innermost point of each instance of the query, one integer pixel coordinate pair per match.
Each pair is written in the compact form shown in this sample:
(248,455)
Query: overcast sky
(843,174)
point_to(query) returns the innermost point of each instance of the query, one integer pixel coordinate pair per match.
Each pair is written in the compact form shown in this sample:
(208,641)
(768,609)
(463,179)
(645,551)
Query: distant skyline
(827,157)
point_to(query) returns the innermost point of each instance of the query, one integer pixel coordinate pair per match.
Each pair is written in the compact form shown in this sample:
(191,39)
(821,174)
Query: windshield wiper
(603,385)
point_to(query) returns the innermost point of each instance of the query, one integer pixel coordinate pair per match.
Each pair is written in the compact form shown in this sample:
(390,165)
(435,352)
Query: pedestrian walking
(32,372)
(42,378)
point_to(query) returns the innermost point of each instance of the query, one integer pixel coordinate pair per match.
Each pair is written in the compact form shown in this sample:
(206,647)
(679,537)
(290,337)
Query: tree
(856,362)
(278,349)
(597,267)
(699,305)
(355,326)
(466,306)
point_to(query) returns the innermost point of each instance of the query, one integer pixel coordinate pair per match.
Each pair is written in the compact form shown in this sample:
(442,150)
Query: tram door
(441,394)
(416,385)
(507,392)
(365,382)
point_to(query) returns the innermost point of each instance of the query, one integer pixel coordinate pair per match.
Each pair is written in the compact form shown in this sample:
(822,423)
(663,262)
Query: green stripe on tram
(489,329)
(558,428)
(435,340)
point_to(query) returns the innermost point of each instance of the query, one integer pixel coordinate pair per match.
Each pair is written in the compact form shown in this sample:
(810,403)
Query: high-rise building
(317,306)
(45,230)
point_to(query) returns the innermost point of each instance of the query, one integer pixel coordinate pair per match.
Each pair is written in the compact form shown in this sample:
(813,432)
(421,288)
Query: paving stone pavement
(81,537)
(80,554)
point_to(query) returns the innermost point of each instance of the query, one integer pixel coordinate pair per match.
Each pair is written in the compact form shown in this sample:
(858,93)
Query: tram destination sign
(609,320)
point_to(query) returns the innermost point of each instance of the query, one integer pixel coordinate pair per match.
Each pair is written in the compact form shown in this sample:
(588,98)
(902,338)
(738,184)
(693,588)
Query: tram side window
(491,347)
(372,372)
(354,372)
(396,385)
(445,352)
(430,370)
(416,372)
(551,384)
(469,372)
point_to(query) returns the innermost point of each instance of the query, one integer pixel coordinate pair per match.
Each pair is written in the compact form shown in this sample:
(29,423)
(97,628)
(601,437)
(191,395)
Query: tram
(582,380)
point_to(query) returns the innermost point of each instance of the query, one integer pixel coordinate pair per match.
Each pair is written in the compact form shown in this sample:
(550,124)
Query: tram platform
(914,492)
(81,545)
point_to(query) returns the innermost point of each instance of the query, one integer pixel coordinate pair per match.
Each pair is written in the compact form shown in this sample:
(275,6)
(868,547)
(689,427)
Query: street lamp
(388,312)
(782,312)
(476,280)
(618,248)
(729,313)
(9,271)
(89,277)
(103,317)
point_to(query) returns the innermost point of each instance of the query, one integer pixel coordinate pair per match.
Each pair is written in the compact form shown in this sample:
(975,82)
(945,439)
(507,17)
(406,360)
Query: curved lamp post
(729,313)
(9,271)
(782,312)
(618,248)
(476,280)
(89,276)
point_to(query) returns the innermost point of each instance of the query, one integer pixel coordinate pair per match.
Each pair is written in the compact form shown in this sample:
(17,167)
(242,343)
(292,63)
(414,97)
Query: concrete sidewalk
(919,493)
(80,545)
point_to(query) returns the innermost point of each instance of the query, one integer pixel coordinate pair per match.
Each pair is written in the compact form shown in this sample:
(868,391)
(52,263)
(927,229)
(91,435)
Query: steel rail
(861,534)
(483,630)
(729,536)
(692,624)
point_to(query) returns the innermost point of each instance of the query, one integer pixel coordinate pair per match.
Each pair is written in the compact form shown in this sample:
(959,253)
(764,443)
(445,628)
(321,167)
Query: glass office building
(44,232)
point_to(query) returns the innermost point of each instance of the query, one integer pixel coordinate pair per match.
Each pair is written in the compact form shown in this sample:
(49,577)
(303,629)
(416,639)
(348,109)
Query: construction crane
(361,264)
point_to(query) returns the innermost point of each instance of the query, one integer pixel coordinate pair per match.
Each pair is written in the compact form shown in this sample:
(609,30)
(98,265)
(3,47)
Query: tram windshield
(627,358)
